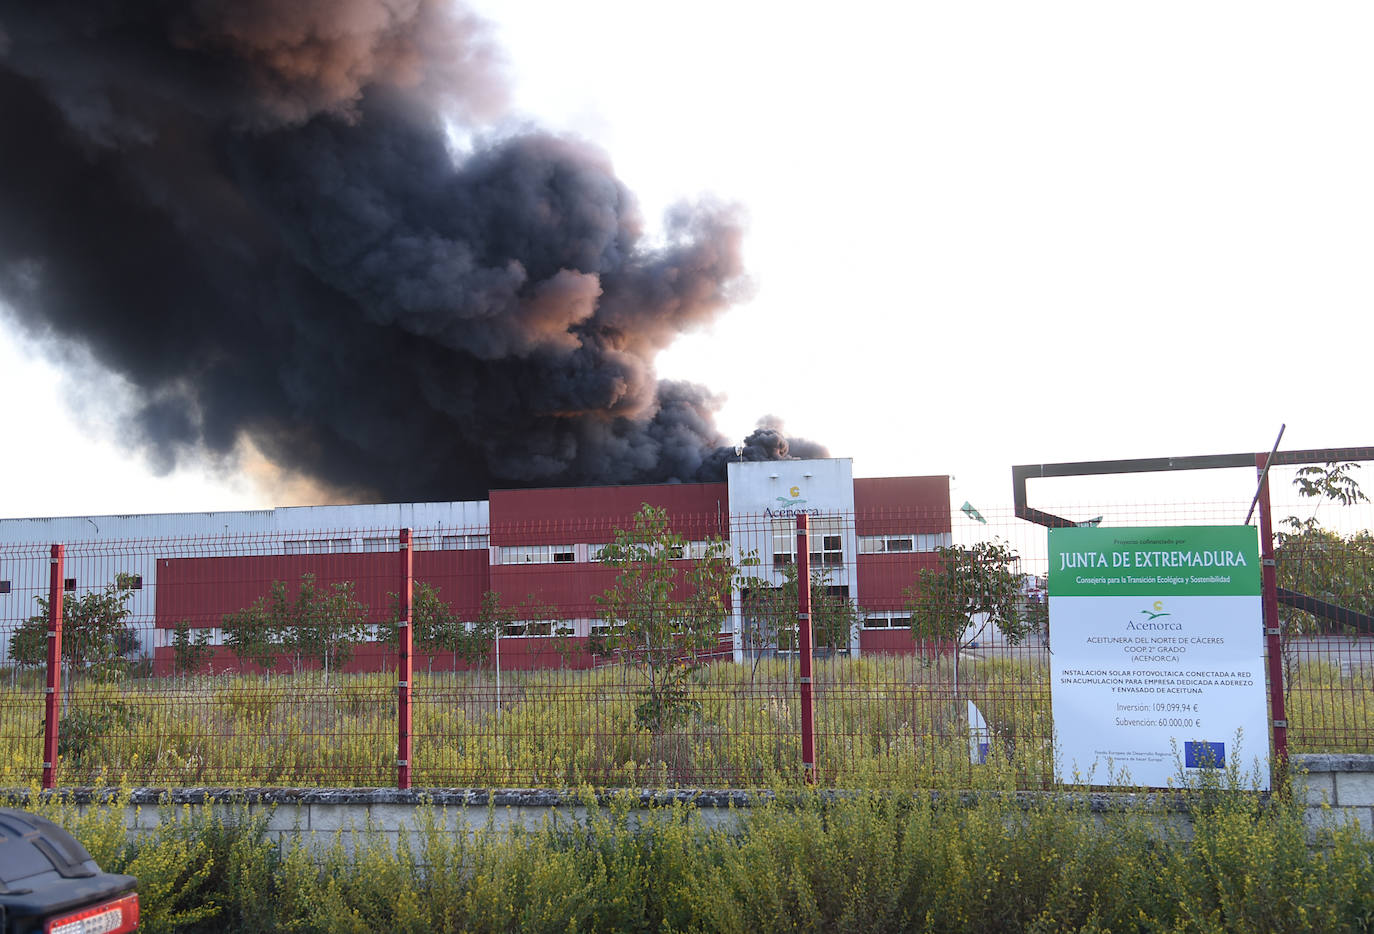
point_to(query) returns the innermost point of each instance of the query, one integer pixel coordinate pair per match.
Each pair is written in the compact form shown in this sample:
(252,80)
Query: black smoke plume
(257,213)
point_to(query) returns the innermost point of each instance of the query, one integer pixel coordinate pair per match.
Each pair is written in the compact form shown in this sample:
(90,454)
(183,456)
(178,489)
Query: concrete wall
(1339,790)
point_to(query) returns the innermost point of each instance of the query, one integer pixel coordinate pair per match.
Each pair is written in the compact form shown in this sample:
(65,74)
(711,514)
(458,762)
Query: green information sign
(1157,662)
(1186,561)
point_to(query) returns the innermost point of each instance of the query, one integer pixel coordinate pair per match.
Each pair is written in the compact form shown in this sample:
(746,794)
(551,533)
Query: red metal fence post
(405,643)
(1273,646)
(808,737)
(52,712)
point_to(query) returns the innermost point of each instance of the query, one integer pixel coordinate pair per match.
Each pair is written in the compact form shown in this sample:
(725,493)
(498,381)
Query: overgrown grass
(1328,710)
(872,862)
(881,722)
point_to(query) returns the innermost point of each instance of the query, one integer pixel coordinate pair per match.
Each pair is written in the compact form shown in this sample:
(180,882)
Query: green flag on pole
(968,510)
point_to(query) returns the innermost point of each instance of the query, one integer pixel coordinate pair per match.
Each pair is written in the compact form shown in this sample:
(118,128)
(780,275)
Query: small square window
(69,584)
(136,581)
(4,587)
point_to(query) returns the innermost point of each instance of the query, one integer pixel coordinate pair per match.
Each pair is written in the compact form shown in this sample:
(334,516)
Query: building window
(827,541)
(827,548)
(135,581)
(537,627)
(375,543)
(537,554)
(899,544)
(463,542)
(886,544)
(687,551)
(886,621)
(784,542)
(4,587)
(69,584)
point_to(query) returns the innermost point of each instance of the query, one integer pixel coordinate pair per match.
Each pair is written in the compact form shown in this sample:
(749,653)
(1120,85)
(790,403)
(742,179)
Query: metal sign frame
(1273,594)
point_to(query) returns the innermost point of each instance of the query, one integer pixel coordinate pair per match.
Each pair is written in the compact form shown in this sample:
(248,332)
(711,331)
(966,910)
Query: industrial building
(534,548)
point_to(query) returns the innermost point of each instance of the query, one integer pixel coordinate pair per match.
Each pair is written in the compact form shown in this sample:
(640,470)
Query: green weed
(802,861)
(881,722)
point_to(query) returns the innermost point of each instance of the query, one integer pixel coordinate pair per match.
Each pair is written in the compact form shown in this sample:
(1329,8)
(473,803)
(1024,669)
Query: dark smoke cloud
(253,211)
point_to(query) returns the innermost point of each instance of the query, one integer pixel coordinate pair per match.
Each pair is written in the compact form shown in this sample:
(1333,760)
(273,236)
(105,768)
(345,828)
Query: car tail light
(112,917)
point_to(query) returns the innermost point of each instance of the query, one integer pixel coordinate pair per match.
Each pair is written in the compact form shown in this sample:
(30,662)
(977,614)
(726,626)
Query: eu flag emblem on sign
(1201,755)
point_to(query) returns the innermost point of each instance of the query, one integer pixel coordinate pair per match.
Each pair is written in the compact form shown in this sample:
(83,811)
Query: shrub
(811,862)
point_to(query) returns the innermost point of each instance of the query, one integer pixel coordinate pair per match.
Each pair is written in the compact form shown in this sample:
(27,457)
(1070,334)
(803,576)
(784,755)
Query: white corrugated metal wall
(100,547)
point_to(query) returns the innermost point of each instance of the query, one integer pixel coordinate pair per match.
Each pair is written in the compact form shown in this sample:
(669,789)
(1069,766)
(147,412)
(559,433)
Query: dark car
(49,883)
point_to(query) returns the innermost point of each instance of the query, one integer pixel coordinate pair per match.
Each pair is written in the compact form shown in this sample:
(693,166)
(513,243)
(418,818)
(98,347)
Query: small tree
(1335,568)
(252,633)
(1332,482)
(439,629)
(662,615)
(29,643)
(96,636)
(480,635)
(435,627)
(564,646)
(188,653)
(323,624)
(327,625)
(771,613)
(477,639)
(1318,562)
(976,584)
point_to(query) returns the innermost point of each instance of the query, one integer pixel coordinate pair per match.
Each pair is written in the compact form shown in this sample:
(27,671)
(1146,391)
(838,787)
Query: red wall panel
(571,589)
(886,641)
(368,657)
(517,654)
(530,653)
(202,590)
(567,588)
(883,578)
(892,505)
(899,642)
(592,514)
(461,577)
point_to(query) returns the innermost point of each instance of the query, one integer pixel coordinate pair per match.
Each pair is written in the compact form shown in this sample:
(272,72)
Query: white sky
(981,234)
